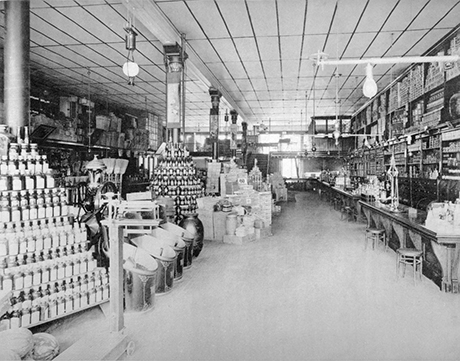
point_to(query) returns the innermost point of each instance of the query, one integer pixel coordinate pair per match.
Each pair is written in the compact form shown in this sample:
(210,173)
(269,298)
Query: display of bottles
(43,252)
(24,205)
(40,303)
(175,177)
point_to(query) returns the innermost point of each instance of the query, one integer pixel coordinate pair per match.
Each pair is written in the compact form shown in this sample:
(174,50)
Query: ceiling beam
(152,17)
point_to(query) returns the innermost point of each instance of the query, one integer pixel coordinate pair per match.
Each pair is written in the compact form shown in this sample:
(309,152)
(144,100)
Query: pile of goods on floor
(22,344)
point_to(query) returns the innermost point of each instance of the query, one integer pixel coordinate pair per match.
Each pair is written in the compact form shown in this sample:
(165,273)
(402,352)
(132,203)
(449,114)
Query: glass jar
(30,162)
(33,149)
(4,184)
(16,182)
(41,211)
(45,165)
(29,182)
(18,281)
(35,311)
(50,181)
(5,214)
(22,165)
(7,283)
(4,165)
(5,139)
(37,279)
(3,245)
(13,152)
(28,278)
(49,210)
(40,181)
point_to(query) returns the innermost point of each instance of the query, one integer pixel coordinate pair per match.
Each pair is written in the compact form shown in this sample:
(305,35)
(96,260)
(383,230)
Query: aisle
(310,292)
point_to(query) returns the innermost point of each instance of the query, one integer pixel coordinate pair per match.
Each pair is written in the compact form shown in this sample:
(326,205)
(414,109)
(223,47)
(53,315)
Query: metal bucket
(187,237)
(231,223)
(177,244)
(165,256)
(139,281)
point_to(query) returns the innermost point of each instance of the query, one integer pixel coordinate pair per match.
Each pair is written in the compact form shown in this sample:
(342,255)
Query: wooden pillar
(16,64)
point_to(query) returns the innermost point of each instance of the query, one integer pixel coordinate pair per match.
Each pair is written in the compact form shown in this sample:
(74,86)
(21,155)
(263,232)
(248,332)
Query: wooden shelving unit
(416,120)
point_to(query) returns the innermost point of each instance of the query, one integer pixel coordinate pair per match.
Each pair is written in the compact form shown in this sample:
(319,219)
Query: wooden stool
(409,256)
(375,235)
(337,204)
(348,212)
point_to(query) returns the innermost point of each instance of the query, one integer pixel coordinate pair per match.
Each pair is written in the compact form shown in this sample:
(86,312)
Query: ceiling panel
(205,50)
(292,16)
(290,47)
(89,55)
(254,69)
(244,84)
(268,48)
(179,15)
(54,59)
(49,30)
(72,27)
(236,69)
(38,39)
(208,17)
(319,16)
(226,49)
(247,49)
(264,17)
(111,30)
(272,69)
(236,17)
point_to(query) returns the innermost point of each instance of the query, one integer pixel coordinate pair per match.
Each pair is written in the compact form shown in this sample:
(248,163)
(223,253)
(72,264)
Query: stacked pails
(177,244)
(186,236)
(165,255)
(139,278)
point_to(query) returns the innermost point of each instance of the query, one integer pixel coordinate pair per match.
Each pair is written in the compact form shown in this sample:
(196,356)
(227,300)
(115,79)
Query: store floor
(309,292)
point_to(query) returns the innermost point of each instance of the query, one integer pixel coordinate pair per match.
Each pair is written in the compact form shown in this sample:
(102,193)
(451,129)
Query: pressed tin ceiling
(257,52)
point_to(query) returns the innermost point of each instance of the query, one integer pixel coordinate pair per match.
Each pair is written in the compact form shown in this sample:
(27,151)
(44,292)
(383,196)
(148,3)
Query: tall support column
(214,121)
(16,63)
(244,142)
(233,131)
(175,90)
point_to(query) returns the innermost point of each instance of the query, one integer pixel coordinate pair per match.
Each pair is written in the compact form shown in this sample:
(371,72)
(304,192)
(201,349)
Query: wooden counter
(441,253)
(327,192)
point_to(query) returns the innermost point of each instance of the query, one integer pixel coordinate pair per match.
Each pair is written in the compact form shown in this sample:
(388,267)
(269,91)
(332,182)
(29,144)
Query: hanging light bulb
(131,70)
(130,67)
(370,86)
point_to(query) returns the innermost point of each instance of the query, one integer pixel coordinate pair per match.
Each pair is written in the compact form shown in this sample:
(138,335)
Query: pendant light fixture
(130,67)
(370,86)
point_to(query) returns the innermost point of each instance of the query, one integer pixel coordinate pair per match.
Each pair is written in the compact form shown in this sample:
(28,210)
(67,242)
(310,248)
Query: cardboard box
(239,240)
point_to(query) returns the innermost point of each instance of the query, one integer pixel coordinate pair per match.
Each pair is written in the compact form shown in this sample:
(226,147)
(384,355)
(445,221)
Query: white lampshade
(130,69)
